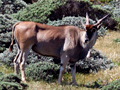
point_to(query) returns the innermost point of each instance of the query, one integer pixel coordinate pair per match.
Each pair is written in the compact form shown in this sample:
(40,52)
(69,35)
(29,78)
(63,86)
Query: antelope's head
(92,29)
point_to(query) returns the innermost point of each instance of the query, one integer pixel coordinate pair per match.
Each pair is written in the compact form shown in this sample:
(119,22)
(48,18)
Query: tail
(12,38)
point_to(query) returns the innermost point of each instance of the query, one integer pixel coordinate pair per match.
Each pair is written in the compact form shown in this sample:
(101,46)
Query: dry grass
(5,69)
(42,85)
(106,45)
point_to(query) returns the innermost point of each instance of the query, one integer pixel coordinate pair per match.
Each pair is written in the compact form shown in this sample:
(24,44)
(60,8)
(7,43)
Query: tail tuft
(10,48)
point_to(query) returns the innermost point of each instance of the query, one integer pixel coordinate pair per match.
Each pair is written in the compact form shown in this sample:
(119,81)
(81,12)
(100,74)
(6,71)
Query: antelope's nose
(86,40)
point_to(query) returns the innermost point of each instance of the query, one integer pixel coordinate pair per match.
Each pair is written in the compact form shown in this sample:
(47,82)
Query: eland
(69,43)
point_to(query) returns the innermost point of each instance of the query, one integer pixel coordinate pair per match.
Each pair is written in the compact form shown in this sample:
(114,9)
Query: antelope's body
(69,43)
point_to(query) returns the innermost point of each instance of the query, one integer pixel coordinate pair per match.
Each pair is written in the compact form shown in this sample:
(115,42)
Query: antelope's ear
(84,26)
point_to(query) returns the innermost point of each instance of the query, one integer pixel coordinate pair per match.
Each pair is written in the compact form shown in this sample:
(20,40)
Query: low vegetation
(11,6)
(42,70)
(6,21)
(38,14)
(94,73)
(11,82)
(112,86)
(113,7)
(57,9)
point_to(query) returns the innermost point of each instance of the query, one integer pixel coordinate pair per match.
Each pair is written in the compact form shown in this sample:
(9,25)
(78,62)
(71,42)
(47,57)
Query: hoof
(74,83)
(59,83)
(24,81)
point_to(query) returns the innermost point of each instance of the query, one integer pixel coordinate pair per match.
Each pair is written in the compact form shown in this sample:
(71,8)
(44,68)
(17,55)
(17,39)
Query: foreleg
(64,61)
(73,71)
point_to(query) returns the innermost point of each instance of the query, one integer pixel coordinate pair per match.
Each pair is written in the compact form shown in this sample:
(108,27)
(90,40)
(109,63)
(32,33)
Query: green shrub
(116,40)
(8,57)
(42,70)
(11,82)
(115,85)
(10,78)
(9,86)
(97,61)
(114,9)
(105,1)
(11,6)
(1,73)
(95,84)
(39,11)
(6,23)
(56,9)
(71,8)
(79,8)
(118,21)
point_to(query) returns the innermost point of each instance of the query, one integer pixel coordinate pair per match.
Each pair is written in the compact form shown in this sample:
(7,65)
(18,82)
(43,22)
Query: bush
(116,12)
(30,1)
(56,9)
(112,86)
(116,40)
(10,78)
(6,23)
(113,7)
(39,11)
(118,26)
(79,8)
(42,70)
(1,73)
(76,21)
(49,70)
(8,57)
(11,6)
(105,1)
(70,8)
(11,82)
(97,61)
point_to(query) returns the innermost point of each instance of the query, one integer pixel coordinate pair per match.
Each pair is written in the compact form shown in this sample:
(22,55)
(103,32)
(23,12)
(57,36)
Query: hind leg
(16,64)
(22,64)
